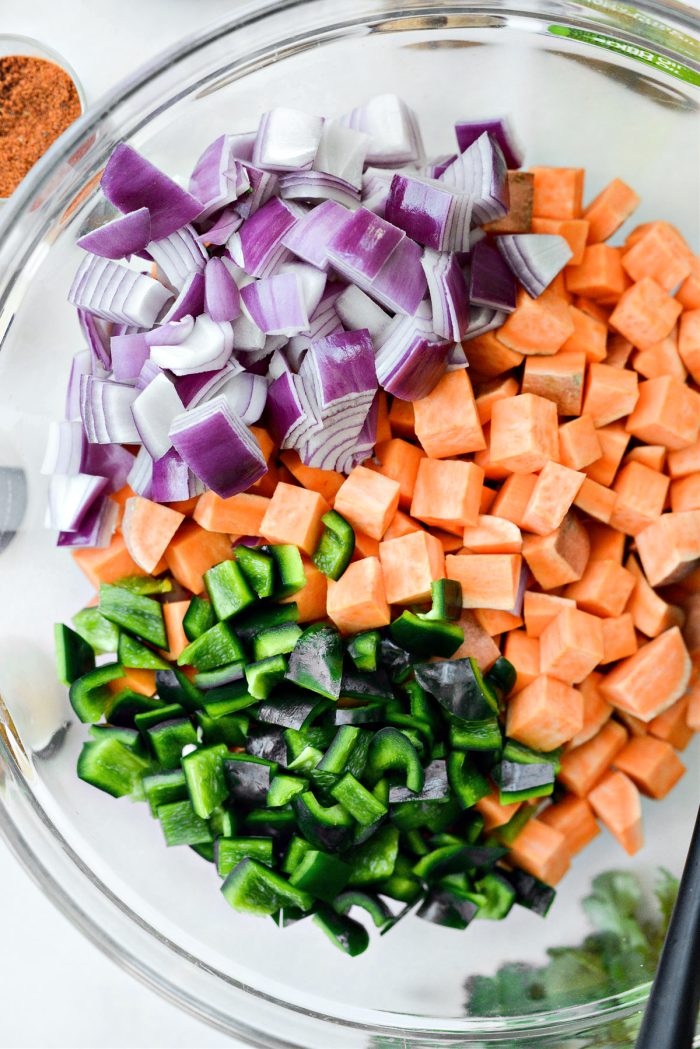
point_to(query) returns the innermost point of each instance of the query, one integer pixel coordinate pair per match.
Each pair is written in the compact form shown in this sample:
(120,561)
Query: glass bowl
(595,83)
(11,44)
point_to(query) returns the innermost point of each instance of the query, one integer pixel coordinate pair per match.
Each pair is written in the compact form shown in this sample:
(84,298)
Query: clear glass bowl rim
(409,1029)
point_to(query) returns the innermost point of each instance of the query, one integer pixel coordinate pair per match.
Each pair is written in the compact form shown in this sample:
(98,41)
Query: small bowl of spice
(40,96)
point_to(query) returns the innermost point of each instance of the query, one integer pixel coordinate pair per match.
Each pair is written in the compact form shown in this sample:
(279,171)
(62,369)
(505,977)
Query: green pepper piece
(328,829)
(375,859)
(476,735)
(264,675)
(222,823)
(145,584)
(459,687)
(173,686)
(254,889)
(336,545)
(296,850)
(161,788)
(306,760)
(228,589)
(74,656)
(426,637)
(363,650)
(277,641)
(131,653)
(181,824)
(522,781)
(258,569)
(215,648)
(468,784)
(344,933)
(346,753)
(204,772)
(391,750)
(376,908)
(230,729)
(90,695)
(316,663)
(436,816)
(499,896)
(283,789)
(522,755)
(205,849)
(289,570)
(262,617)
(111,766)
(212,680)
(398,662)
(198,618)
(128,736)
(230,851)
(359,802)
(320,874)
(510,830)
(139,615)
(168,739)
(100,634)
(147,718)
(446,597)
(127,704)
(501,677)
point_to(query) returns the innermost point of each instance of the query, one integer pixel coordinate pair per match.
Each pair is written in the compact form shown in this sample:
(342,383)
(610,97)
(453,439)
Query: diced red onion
(80,365)
(221,297)
(70,498)
(141,474)
(311,280)
(317,185)
(263,186)
(97,527)
(154,410)
(226,224)
(309,237)
(524,580)
(468,131)
(395,137)
(170,333)
(246,395)
(64,448)
(107,460)
(483,319)
(129,354)
(148,373)
(339,369)
(341,152)
(189,301)
(172,480)
(430,212)
(357,310)
(257,246)
(95,332)
(178,255)
(115,293)
(411,358)
(201,386)
(121,237)
(481,173)
(287,139)
(400,285)
(448,294)
(247,336)
(363,244)
(218,177)
(535,258)
(105,408)
(207,348)
(242,144)
(279,365)
(375,191)
(491,282)
(456,358)
(276,304)
(285,412)
(218,448)
(131,182)
(435,166)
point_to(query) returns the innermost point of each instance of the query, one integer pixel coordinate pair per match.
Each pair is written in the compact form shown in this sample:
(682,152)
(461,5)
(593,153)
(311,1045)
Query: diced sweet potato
(542,851)
(616,803)
(477,643)
(368,500)
(558,192)
(659,253)
(311,599)
(684,461)
(402,420)
(524,653)
(495,814)
(619,638)
(667,412)
(447,422)
(239,515)
(513,497)
(524,433)
(559,557)
(689,292)
(689,342)
(603,589)
(554,492)
(607,544)
(611,393)
(193,551)
(173,614)
(574,232)
(619,350)
(596,710)
(107,564)
(669,549)
(488,580)
(599,276)
(607,212)
(294,516)
(685,493)
(595,500)
(613,440)
(652,764)
(651,680)
(540,325)
(582,767)
(499,389)
(573,817)
(490,357)
(545,714)
(540,609)
(571,646)
(325,482)
(651,455)
(357,601)
(409,565)
(447,494)
(558,378)
(578,443)
(493,535)
(590,334)
(496,622)
(672,724)
(650,613)
(399,460)
(640,495)
(661,358)
(645,313)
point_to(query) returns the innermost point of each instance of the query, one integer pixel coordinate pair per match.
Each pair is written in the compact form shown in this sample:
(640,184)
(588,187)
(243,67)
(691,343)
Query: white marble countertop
(58,991)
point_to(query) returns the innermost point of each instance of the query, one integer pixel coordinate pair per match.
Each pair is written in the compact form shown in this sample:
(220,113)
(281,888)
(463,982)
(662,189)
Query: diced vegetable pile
(387,471)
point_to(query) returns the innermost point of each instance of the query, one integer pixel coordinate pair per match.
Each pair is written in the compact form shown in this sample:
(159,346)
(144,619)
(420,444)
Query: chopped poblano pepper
(336,546)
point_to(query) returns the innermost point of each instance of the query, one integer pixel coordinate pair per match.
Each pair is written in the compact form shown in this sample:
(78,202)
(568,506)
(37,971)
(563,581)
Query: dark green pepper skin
(459,687)
(316,662)
(426,637)
(336,547)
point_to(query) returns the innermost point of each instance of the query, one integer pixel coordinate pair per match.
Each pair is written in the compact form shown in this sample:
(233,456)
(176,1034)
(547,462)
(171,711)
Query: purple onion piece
(309,237)
(287,139)
(481,173)
(468,131)
(95,332)
(257,246)
(221,296)
(430,212)
(131,182)
(218,448)
(129,353)
(172,480)
(491,282)
(448,295)
(535,258)
(190,299)
(121,237)
(97,527)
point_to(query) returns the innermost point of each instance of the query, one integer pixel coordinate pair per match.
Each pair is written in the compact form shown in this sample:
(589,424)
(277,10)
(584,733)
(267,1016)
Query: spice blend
(38,100)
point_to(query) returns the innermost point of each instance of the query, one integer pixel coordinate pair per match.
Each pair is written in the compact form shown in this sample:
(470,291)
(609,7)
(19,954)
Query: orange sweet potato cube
(603,589)
(239,514)
(667,412)
(487,393)
(524,653)
(488,580)
(357,601)
(447,422)
(645,313)
(571,646)
(495,814)
(685,493)
(651,614)
(673,724)
(619,638)
(311,599)
(640,495)
(652,764)
(558,192)
(573,817)
(477,643)
(193,552)
(513,497)
(540,325)
(607,544)
(595,500)
(685,461)
(447,493)
(493,535)
(559,557)
(524,433)
(410,564)
(582,767)
(610,394)
(558,378)
(399,460)
(599,276)
(660,253)
(368,500)
(607,212)
(574,232)
(490,357)
(596,710)
(617,805)
(613,440)
(553,494)
(669,549)
(590,336)
(540,609)
(294,516)
(545,714)
(653,679)
(542,851)
(651,455)
(578,443)
(689,342)
(402,421)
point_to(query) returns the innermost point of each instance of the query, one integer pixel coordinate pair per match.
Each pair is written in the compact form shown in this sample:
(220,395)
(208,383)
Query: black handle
(672,1010)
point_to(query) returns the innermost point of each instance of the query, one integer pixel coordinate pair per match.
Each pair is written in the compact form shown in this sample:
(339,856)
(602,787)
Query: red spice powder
(38,100)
